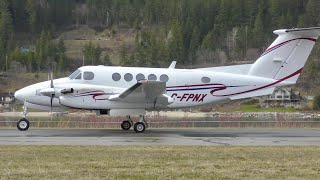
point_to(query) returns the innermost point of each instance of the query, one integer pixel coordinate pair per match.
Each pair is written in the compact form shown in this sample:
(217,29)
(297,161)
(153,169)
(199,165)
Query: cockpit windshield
(75,74)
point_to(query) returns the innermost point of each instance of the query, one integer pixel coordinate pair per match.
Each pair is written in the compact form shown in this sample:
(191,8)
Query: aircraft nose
(25,94)
(19,95)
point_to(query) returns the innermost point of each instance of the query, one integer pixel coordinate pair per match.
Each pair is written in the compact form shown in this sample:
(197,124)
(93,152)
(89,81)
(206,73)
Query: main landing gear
(138,127)
(23,124)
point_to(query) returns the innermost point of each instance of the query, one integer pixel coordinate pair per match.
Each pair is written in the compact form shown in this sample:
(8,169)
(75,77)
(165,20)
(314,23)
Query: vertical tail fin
(287,55)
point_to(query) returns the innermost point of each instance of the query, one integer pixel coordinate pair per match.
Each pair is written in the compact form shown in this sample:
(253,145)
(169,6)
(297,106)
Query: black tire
(126,125)
(23,124)
(139,127)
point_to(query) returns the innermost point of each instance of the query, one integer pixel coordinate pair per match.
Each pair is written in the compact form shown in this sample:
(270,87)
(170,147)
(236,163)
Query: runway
(214,136)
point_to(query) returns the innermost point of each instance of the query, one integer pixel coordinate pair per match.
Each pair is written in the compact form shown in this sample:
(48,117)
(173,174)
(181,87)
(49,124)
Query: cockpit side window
(74,74)
(79,76)
(88,75)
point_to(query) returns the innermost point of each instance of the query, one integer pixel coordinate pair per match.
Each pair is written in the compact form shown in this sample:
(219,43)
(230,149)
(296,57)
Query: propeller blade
(52,96)
(53,93)
(51,77)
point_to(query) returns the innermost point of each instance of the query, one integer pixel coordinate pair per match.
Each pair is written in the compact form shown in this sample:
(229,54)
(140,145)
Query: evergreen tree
(237,12)
(107,60)
(312,11)
(32,11)
(258,30)
(6,30)
(194,45)
(92,53)
(275,10)
(175,43)
(124,57)
(60,55)
(208,41)
(186,25)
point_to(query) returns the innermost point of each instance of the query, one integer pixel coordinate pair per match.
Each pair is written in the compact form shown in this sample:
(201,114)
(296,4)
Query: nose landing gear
(23,124)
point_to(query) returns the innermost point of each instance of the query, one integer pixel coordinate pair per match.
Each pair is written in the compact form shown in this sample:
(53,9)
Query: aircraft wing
(144,91)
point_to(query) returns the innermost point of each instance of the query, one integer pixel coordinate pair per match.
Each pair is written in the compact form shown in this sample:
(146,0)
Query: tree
(175,43)
(275,10)
(107,60)
(60,55)
(312,11)
(194,45)
(125,58)
(42,46)
(258,30)
(316,102)
(6,30)
(237,12)
(32,11)
(208,41)
(92,53)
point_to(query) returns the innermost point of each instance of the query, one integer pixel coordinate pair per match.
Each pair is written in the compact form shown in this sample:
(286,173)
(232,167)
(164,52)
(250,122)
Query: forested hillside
(189,31)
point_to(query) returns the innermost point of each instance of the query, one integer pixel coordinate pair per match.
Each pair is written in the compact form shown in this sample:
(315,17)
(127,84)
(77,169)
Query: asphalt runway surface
(214,136)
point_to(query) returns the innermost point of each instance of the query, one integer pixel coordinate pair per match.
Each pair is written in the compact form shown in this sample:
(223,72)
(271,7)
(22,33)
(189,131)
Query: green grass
(254,108)
(159,162)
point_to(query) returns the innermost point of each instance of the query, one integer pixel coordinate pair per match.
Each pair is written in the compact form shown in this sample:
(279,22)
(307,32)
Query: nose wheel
(23,124)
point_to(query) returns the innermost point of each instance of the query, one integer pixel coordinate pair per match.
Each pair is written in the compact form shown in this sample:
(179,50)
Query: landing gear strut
(23,124)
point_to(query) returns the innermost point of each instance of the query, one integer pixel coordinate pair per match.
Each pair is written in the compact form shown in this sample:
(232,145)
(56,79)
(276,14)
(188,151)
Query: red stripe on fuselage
(200,85)
(266,86)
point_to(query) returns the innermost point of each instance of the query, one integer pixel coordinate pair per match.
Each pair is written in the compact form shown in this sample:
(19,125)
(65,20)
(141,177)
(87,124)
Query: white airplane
(133,90)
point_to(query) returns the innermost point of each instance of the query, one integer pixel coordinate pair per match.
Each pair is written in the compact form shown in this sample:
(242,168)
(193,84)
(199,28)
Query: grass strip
(159,162)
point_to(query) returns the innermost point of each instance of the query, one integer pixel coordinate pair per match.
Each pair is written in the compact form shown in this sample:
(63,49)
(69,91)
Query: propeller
(49,91)
(52,94)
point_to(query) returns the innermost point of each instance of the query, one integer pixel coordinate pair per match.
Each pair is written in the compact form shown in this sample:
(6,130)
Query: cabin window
(164,78)
(205,79)
(128,77)
(116,76)
(140,77)
(152,77)
(88,75)
(79,76)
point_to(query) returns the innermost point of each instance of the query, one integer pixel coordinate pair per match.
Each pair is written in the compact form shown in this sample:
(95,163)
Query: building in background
(284,97)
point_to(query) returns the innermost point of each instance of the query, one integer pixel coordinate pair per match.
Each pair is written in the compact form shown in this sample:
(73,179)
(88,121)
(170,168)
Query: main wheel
(23,124)
(126,125)
(139,127)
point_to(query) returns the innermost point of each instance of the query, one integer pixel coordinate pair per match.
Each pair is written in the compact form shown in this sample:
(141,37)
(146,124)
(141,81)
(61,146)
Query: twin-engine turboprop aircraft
(131,91)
